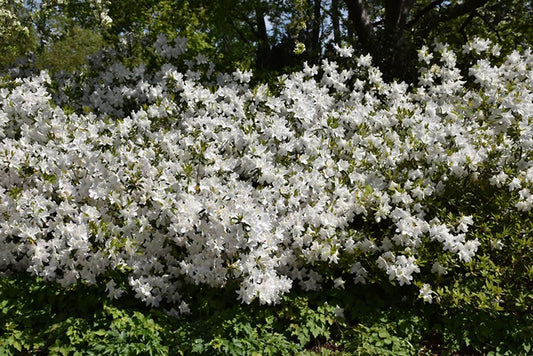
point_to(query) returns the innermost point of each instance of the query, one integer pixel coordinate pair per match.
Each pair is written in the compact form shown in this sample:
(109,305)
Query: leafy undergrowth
(39,318)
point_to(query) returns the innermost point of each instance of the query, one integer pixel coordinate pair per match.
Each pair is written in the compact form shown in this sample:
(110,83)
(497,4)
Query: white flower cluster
(152,181)
(9,21)
(168,50)
(99,8)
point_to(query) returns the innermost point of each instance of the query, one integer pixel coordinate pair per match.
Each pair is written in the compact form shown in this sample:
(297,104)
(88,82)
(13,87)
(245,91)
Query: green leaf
(100,332)
(17,345)
(383,334)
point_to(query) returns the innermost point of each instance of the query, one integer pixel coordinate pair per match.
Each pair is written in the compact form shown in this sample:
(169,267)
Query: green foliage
(39,317)
(500,276)
(36,316)
(235,33)
(70,52)
(16,36)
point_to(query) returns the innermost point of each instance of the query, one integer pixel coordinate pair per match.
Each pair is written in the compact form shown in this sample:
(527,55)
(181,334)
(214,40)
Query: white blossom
(170,181)
(426,293)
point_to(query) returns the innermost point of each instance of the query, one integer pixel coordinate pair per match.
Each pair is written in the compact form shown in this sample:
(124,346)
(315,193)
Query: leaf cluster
(39,317)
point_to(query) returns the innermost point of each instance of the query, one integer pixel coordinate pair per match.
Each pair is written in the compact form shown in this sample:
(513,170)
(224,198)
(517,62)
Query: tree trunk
(263,48)
(314,50)
(395,51)
(335,21)
(358,16)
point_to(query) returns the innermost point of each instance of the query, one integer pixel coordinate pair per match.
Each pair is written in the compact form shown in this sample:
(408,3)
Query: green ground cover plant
(39,318)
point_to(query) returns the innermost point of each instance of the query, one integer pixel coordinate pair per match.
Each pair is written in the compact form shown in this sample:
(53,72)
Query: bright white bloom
(464,223)
(344,51)
(365,61)
(424,55)
(478,45)
(499,180)
(515,184)
(339,282)
(426,293)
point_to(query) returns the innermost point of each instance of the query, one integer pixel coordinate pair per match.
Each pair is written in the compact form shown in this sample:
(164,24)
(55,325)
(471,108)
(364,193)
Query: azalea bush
(162,177)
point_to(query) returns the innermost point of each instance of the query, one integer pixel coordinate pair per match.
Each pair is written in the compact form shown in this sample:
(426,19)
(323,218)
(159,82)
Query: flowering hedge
(154,179)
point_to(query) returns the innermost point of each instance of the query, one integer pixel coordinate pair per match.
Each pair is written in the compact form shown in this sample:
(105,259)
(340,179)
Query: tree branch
(263,48)
(458,10)
(423,12)
(239,32)
(244,18)
(335,20)
(490,25)
(463,26)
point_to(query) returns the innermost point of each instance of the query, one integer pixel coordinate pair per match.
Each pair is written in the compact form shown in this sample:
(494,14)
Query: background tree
(262,35)
(72,49)
(16,38)
(392,30)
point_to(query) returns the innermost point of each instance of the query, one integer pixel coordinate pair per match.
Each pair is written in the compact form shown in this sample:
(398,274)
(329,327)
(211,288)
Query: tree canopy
(270,37)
